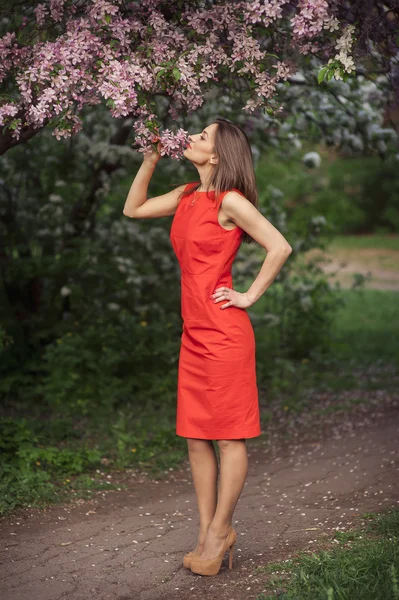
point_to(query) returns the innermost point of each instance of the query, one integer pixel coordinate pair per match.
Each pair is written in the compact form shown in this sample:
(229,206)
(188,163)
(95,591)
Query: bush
(115,361)
(28,468)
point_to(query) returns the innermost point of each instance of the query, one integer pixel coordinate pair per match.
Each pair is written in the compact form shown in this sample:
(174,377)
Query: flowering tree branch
(59,56)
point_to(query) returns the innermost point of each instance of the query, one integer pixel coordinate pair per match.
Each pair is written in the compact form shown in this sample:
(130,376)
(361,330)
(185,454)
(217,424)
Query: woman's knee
(226,444)
(196,444)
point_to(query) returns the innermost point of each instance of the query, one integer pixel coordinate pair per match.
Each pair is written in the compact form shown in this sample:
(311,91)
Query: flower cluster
(148,136)
(128,53)
(313,16)
(344,45)
(173,144)
(264,12)
(40,13)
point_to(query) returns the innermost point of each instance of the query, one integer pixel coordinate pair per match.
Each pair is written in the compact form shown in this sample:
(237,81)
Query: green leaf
(176,74)
(321,74)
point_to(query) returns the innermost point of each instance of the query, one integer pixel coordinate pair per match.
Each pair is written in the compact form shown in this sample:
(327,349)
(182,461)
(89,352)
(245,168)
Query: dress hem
(218,436)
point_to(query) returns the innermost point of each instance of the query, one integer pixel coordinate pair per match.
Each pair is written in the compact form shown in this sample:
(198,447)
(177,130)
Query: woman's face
(201,148)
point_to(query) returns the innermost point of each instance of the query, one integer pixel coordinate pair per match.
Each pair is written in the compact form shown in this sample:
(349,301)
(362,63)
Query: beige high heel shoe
(187,558)
(212,566)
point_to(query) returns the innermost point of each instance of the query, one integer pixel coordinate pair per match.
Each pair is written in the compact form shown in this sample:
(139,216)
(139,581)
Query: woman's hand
(234,298)
(151,157)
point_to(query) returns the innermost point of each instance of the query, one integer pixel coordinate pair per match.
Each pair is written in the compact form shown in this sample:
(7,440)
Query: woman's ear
(214,159)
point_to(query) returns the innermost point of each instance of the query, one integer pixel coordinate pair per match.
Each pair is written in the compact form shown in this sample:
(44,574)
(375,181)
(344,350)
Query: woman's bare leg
(233,473)
(204,468)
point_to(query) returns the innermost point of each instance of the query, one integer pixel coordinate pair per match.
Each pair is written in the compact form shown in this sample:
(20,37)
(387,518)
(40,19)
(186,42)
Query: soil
(380,267)
(309,475)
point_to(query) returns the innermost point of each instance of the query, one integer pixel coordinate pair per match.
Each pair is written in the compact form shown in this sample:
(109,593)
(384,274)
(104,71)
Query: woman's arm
(137,206)
(246,215)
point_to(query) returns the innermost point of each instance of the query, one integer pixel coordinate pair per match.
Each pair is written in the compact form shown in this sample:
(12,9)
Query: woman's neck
(205,173)
(202,188)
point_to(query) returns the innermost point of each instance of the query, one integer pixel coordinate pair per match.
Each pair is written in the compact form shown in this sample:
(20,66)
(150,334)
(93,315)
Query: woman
(217,391)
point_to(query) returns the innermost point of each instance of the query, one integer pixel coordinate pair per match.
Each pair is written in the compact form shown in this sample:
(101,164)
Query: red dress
(217,394)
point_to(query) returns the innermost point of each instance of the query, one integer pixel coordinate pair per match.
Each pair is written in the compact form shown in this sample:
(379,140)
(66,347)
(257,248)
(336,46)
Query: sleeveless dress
(217,394)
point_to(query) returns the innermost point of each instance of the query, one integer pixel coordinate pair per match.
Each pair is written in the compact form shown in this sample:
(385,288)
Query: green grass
(367,327)
(51,460)
(365,566)
(378,241)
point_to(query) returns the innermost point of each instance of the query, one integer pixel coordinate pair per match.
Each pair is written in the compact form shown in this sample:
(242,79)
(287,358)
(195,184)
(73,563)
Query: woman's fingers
(227,305)
(233,298)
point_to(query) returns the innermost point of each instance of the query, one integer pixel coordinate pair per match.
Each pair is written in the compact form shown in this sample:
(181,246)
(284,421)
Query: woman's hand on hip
(238,299)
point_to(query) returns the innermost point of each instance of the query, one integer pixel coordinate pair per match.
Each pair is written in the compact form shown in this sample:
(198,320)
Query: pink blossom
(126,54)
(41,12)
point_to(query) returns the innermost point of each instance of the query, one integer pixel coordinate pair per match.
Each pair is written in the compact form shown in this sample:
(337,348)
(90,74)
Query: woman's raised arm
(137,206)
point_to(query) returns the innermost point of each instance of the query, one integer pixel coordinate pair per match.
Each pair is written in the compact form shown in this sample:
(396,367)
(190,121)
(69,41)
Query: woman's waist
(206,285)
(212,315)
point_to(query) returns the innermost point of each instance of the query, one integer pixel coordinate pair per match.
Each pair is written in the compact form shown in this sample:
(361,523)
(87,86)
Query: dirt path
(378,266)
(322,474)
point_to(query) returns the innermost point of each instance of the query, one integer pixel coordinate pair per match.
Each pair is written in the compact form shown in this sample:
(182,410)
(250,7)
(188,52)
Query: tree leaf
(321,74)
(176,74)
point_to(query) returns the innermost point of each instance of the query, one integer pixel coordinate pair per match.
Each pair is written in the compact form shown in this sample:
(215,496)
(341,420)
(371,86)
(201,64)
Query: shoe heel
(231,556)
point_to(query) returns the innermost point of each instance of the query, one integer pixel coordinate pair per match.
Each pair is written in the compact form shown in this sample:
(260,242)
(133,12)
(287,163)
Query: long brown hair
(235,167)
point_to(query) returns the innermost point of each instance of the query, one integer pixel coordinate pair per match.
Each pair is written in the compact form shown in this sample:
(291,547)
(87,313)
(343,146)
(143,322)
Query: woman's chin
(186,153)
